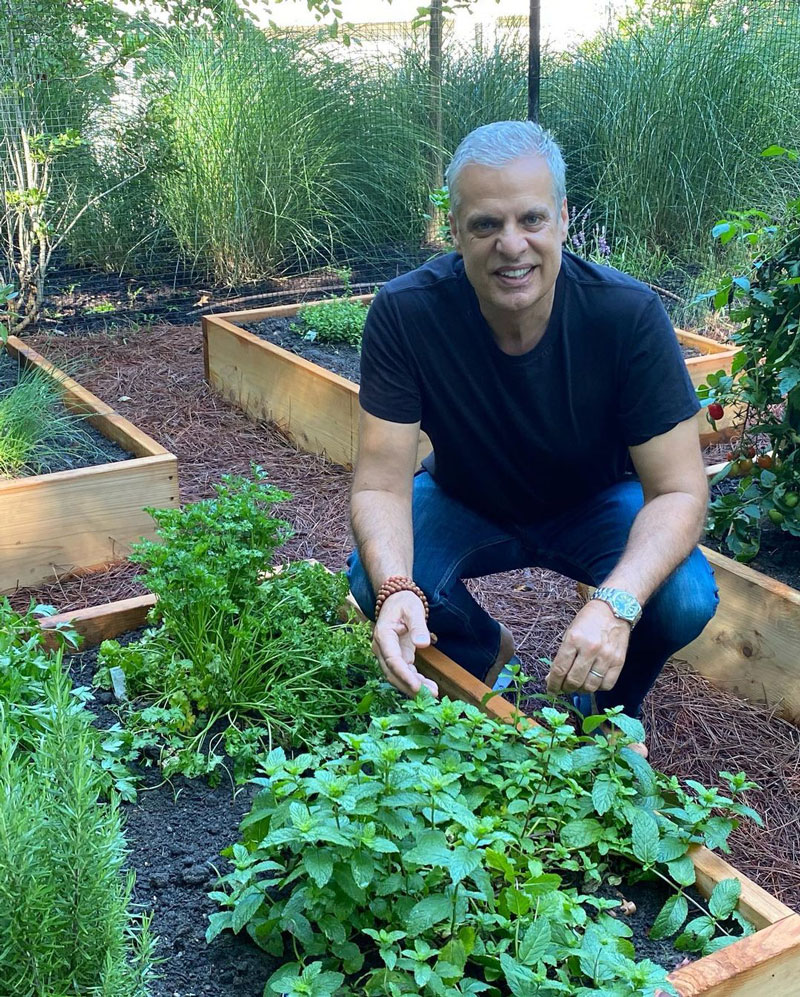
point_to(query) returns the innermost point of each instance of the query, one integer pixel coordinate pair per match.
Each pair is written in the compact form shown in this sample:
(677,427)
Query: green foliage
(764,385)
(35,428)
(659,117)
(442,852)
(239,658)
(65,922)
(340,320)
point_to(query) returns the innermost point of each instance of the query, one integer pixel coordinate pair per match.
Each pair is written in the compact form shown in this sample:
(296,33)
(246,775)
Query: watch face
(625,604)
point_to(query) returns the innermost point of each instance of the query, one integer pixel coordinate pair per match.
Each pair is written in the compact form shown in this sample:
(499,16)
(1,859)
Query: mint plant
(764,383)
(444,853)
(340,320)
(238,659)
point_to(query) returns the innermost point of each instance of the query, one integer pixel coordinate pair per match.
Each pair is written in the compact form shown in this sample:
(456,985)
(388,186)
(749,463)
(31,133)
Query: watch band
(622,604)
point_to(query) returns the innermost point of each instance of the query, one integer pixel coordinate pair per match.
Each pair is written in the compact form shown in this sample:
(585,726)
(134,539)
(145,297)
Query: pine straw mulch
(155,378)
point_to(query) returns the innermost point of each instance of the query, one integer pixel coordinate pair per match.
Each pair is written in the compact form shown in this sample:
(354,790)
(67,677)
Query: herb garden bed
(175,850)
(54,524)
(299,385)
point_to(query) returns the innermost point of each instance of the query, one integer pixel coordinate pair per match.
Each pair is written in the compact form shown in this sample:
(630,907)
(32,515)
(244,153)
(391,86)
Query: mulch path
(155,378)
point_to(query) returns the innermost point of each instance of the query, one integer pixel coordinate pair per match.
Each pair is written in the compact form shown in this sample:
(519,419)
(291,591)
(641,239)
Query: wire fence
(230,156)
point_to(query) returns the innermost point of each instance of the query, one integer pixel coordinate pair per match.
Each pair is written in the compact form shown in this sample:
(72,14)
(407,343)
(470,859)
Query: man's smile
(514,275)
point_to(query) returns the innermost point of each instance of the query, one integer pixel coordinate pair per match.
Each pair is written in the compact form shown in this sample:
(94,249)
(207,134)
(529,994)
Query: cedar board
(765,964)
(54,524)
(318,410)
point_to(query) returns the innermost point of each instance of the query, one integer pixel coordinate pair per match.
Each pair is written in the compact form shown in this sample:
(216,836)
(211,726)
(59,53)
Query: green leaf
(245,908)
(683,871)
(521,981)
(604,792)
(463,861)
(644,837)
(217,922)
(671,848)
(283,978)
(629,726)
(318,863)
(788,379)
(724,898)
(427,912)
(362,867)
(581,833)
(671,917)
(535,943)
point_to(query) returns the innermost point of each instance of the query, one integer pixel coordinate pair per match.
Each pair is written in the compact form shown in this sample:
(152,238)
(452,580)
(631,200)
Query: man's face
(510,231)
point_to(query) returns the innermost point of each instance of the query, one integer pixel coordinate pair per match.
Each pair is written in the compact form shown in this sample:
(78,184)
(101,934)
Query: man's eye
(533,219)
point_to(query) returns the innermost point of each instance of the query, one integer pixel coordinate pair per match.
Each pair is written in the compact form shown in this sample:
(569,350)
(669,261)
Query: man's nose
(511,242)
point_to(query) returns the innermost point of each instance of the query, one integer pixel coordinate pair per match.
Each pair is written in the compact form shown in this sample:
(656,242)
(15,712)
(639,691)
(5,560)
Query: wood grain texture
(51,524)
(766,964)
(77,399)
(751,647)
(316,409)
(98,623)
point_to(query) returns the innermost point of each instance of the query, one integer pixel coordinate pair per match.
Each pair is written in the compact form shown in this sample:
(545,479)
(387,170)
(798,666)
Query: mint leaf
(428,912)
(724,898)
(604,792)
(683,871)
(671,917)
(535,943)
(581,833)
(644,837)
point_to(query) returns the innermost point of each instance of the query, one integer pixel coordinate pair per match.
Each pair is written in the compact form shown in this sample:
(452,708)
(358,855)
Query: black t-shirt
(518,437)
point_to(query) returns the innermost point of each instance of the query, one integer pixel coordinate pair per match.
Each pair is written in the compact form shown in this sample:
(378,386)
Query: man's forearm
(381,522)
(664,533)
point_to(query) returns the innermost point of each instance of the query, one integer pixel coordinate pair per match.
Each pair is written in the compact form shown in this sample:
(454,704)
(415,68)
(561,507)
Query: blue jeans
(452,543)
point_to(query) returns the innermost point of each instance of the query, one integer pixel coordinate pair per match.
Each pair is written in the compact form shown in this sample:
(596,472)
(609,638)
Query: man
(540,379)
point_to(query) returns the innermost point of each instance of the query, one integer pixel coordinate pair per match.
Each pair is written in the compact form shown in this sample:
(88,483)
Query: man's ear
(451,218)
(564,220)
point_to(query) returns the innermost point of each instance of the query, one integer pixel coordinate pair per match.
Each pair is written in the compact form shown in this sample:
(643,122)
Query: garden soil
(155,377)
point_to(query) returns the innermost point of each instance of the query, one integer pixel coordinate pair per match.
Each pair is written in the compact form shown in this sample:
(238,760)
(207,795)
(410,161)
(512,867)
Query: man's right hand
(399,631)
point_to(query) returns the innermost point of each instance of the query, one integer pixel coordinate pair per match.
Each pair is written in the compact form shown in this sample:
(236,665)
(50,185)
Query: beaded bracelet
(399,583)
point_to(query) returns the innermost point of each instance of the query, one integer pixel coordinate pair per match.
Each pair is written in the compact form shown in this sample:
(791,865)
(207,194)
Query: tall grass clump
(35,427)
(255,149)
(662,117)
(65,920)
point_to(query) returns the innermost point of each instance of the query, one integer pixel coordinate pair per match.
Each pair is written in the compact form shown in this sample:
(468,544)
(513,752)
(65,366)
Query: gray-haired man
(541,379)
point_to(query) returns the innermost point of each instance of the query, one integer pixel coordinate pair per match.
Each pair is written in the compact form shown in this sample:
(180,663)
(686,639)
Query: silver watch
(623,605)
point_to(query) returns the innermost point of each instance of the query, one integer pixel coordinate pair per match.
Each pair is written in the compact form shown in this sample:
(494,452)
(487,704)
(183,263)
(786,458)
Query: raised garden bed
(767,962)
(55,524)
(316,408)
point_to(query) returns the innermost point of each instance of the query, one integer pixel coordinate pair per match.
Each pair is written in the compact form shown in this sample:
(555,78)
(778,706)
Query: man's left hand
(592,652)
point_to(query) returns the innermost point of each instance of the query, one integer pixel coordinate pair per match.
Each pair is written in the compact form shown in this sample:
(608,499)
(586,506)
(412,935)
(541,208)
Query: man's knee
(685,603)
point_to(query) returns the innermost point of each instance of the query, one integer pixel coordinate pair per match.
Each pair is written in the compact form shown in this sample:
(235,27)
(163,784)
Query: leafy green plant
(240,658)
(443,852)
(65,919)
(340,320)
(764,384)
(35,428)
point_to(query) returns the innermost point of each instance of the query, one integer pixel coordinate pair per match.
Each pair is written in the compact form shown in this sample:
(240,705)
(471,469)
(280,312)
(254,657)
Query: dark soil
(779,554)
(79,445)
(175,832)
(340,358)
(82,301)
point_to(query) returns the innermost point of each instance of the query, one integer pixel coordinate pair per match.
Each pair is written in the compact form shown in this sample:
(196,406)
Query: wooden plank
(100,415)
(51,524)
(701,343)
(750,647)
(766,964)
(316,409)
(758,906)
(98,623)
(278,311)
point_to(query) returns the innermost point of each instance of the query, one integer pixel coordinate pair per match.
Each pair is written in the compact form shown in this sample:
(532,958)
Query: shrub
(340,320)
(764,383)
